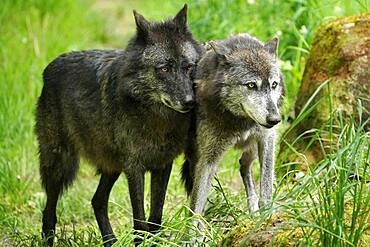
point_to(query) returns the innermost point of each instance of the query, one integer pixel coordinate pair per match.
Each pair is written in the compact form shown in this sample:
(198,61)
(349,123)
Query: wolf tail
(187,176)
(187,170)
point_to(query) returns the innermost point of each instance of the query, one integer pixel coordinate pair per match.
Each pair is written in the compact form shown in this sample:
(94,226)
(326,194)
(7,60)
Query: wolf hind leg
(100,206)
(58,168)
(246,162)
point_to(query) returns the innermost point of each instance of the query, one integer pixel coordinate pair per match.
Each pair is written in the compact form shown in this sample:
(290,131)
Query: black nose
(189,101)
(273,120)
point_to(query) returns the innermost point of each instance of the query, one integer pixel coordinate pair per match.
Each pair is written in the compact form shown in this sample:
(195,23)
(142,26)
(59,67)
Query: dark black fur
(107,106)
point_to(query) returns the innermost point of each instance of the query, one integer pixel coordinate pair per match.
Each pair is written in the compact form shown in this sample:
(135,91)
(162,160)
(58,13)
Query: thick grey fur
(122,110)
(230,114)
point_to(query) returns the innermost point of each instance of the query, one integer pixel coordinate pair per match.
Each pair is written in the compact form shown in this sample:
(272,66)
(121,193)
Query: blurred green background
(34,32)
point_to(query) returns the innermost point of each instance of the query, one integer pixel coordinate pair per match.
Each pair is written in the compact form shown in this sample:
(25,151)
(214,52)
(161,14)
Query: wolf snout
(189,102)
(182,106)
(186,104)
(273,120)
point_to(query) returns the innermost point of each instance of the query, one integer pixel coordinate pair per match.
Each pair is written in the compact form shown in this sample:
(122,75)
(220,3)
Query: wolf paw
(253,205)
(254,209)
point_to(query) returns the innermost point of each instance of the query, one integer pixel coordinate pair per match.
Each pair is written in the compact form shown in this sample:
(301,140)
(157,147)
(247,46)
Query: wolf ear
(220,50)
(142,25)
(181,19)
(271,46)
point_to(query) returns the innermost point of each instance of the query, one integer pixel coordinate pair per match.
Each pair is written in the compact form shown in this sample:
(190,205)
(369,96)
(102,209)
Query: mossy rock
(274,231)
(340,53)
(285,230)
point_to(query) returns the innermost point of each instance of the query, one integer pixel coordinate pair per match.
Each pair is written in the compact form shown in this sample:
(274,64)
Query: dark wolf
(123,111)
(239,90)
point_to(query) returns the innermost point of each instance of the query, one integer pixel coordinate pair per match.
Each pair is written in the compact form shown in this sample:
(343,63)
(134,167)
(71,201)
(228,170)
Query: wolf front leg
(136,189)
(246,162)
(266,152)
(203,175)
(210,148)
(100,206)
(159,182)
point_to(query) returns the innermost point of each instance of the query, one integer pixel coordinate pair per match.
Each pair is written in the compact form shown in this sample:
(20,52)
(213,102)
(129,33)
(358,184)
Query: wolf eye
(251,85)
(164,69)
(189,67)
(274,84)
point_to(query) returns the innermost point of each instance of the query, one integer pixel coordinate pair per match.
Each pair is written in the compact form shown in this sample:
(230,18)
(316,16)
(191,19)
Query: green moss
(276,230)
(282,229)
(338,54)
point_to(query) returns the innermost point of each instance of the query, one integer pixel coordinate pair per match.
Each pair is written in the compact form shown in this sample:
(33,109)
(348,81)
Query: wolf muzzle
(184,107)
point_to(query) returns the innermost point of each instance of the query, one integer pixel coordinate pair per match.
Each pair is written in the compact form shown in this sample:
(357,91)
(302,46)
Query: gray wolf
(239,90)
(123,111)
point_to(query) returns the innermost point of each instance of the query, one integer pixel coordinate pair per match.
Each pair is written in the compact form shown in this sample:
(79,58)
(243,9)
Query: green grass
(331,202)
(34,32)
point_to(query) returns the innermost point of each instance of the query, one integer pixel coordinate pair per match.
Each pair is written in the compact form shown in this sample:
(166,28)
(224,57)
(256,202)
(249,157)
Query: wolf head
(165,55)
(248,79)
